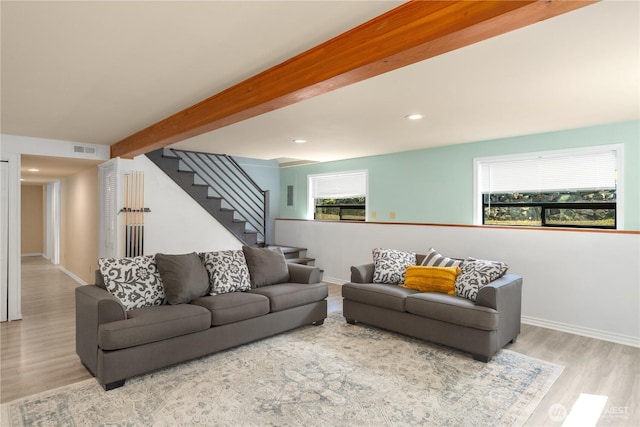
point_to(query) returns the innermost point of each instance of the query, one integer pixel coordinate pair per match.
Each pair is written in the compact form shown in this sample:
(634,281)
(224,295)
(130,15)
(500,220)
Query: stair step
(183,178)
(289,249)
(304,261)
(292,254)
(199,191)
(169,154)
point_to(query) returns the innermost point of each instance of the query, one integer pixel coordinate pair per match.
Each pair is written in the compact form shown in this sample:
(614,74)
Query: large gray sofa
(115,344)
(481,328)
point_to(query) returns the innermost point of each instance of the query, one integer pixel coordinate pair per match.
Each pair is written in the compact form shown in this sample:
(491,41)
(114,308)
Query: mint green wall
(435,185)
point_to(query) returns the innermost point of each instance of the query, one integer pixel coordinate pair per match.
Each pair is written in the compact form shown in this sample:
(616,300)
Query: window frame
(311,179)
(594,149)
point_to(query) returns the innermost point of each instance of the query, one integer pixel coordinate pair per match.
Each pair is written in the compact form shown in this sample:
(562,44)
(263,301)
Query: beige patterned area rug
(335,374)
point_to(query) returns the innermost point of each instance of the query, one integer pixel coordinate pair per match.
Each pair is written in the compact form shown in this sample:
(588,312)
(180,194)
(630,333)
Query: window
(338,196)
(567,188)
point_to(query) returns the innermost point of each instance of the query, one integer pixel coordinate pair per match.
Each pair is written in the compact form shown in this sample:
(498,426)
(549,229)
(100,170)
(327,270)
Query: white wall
(51,147)
(176,224)
(584,282)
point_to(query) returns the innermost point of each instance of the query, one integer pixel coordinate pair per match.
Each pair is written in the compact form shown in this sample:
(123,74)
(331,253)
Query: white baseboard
(581,330)
(73,276)
(34,254)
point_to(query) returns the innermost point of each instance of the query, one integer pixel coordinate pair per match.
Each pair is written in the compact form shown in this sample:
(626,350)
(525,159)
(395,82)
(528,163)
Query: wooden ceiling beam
(410,33)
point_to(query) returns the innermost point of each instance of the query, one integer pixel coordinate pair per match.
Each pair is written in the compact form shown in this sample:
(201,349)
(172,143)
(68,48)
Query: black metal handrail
(227,180)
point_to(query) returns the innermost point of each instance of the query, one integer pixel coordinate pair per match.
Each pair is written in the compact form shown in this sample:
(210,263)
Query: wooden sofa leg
(113,385)
(351,321)
(480,358)
(318,322)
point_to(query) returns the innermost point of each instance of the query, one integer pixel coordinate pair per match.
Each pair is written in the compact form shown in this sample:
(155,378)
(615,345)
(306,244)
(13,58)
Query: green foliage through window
(580,208)
(347,209)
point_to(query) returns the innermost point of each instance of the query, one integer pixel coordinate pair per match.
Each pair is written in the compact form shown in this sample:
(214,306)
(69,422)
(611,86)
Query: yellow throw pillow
(431,279)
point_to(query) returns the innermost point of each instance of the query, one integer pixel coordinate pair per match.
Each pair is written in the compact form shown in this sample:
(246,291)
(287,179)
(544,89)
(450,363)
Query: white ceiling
(96,72)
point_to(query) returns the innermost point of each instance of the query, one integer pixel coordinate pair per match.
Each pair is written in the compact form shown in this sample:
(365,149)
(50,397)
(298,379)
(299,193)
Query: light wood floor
(38,352)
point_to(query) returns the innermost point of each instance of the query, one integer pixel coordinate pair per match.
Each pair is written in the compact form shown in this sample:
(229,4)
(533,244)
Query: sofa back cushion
(267,266)
(135,281)
(184,277)
(99,280)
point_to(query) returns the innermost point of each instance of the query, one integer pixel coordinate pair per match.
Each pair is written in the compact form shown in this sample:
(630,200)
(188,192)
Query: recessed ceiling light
(414,116)
(299,141)
(33,170)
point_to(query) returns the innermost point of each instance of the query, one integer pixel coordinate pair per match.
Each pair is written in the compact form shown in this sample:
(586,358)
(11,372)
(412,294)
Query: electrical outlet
(374,215)
(392,215)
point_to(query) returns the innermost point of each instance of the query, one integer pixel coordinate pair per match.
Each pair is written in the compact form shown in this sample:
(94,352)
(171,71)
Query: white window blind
(550,172)
(339,185)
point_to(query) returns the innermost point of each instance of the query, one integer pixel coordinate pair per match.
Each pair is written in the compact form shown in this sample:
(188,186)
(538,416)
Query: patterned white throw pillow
(389,265)
(228,271)
(434,259)
(476,274)
(134,281)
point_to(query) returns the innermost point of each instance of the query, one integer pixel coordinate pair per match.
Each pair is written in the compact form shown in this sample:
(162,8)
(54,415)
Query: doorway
(67,209)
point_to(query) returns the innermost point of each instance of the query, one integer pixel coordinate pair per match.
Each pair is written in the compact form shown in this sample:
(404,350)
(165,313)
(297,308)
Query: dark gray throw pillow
(266,266)
(183,276)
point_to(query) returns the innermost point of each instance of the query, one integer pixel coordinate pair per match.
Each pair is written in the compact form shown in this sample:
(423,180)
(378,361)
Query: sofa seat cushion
(288,295)
(452,309)
(233,307)
(151,324)
(391,297)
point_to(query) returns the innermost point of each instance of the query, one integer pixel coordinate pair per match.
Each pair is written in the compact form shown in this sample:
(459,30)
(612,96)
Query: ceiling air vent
(84,149)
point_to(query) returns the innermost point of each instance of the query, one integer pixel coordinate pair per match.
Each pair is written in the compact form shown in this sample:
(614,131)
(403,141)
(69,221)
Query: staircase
(222,188)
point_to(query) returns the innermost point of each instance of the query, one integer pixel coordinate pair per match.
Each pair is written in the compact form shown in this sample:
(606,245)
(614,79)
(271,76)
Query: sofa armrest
(94,306)
(504,291)
(362,273)
(505,296)
(299,273)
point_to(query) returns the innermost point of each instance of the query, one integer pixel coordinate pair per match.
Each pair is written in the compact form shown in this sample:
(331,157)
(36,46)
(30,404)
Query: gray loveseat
(115,343)
(481,328)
